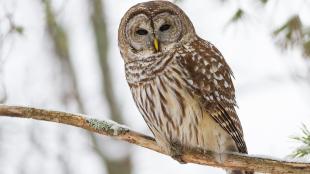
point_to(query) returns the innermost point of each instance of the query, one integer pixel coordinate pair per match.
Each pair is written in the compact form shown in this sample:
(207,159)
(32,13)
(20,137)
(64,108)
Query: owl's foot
(176,152)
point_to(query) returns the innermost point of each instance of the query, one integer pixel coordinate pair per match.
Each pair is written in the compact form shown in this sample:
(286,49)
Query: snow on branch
(198,156)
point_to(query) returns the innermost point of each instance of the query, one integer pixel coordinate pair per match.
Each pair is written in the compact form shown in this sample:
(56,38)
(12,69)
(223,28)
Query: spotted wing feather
(210,77)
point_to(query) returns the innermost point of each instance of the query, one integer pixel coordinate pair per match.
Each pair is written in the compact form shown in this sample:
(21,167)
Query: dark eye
(165,27)
(141,32)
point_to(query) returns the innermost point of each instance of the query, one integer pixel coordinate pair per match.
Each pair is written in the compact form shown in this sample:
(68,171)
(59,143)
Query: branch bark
(198,156)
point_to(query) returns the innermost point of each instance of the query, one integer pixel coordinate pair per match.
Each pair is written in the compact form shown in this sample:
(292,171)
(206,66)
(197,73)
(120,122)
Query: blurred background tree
(61,48)
(292,35)
(70,94)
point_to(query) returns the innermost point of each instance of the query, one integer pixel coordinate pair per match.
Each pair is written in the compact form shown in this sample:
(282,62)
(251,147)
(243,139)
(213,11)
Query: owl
(180,83)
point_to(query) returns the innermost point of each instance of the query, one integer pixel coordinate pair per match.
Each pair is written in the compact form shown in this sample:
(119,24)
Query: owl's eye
(141,32)
(164,27)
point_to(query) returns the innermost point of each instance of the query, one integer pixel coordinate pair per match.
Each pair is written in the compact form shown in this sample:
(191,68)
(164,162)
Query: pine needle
(238,15)
(290,34)
(263,1)
(306,43)
(304,139)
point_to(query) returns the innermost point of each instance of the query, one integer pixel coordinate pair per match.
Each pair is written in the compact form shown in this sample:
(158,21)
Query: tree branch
(198,156)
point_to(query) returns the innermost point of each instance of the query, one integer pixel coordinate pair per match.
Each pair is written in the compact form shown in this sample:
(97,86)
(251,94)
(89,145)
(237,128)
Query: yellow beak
(156,45)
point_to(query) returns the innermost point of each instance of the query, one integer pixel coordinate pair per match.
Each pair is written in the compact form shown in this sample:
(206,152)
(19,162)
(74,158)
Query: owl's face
(152,28)
(153,34)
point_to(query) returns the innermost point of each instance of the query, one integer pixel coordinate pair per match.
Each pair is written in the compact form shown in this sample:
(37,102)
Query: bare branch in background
(198,156)
(8,30)
(12,29)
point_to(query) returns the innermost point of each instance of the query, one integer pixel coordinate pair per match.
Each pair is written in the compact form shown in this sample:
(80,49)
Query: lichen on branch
(110,127)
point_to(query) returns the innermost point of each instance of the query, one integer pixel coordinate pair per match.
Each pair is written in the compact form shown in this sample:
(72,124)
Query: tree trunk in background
(61,47)
(59,41)
(123,165)
(60,44)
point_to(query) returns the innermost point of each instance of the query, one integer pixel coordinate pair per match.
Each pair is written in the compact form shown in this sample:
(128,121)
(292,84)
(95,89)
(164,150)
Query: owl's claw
(178,158)
(176,151)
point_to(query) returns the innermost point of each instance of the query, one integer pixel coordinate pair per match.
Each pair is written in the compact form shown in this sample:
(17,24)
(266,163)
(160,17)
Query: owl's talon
(179,159)
(176,151)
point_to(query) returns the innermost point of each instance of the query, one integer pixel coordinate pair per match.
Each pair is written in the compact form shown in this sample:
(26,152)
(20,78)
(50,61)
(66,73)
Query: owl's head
(153,28)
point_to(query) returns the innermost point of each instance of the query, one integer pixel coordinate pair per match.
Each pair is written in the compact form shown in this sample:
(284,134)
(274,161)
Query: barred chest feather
(162,93)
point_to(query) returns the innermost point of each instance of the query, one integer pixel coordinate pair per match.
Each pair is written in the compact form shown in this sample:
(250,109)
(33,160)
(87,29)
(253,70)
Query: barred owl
(180,83)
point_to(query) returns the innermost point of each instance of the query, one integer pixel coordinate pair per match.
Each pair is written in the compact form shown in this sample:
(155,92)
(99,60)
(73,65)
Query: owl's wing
(210,78)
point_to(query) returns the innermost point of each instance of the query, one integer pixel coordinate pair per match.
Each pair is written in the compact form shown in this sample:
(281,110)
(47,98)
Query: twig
(198,156)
